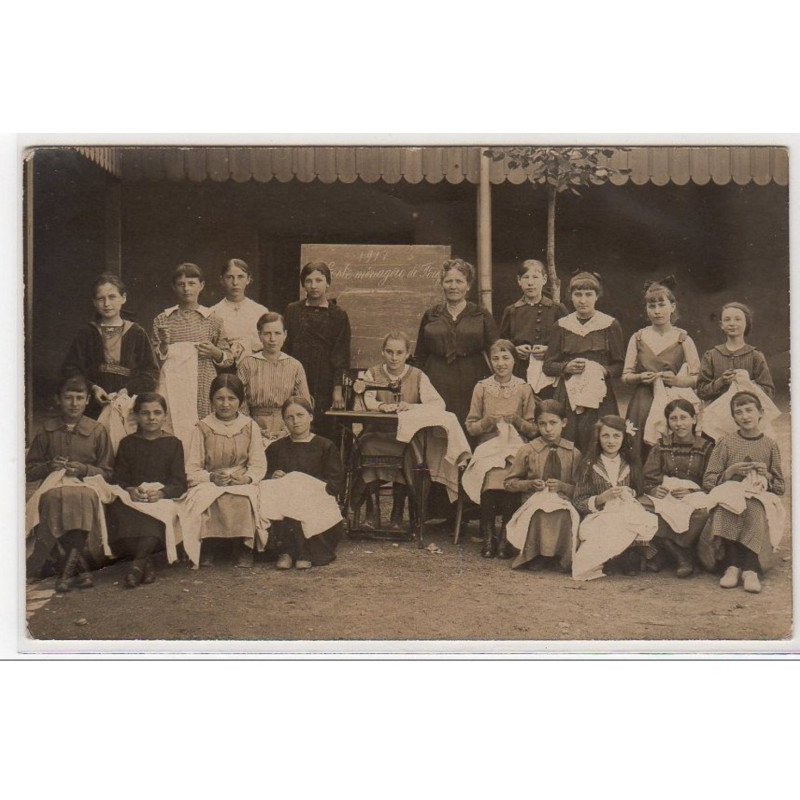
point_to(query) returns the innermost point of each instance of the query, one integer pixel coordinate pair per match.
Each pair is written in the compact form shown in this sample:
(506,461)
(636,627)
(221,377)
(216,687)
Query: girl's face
(502,364)
(532,282)
(395,355)
(455,286)
(235,281)
(187,290)
(226,404)
(108,301)
(584,301)
(298,421)
(151,417)
(747,417)
(316,285)
(610,440)
(660,310)
(550,426)
(733,322)
(272,336)
(73,403)
(681,423)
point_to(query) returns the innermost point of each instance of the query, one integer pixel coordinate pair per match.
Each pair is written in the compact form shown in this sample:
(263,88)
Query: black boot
(372,518)
(399,492)
(489,548)
(504,548)
(84,580)
(682,559)
(64,583)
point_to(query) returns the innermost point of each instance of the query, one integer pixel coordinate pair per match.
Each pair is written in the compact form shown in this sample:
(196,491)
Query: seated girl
(720,365)
(226,450)
(548,463)
(64,515)
(271,377)
(614,524)
(752,459)
(306,452)
(681,455)
(406,386)
(149,466)
(502,409)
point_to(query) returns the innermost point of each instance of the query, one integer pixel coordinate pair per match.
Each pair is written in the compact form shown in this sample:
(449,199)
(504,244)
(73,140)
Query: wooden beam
(28,175)
(485,234)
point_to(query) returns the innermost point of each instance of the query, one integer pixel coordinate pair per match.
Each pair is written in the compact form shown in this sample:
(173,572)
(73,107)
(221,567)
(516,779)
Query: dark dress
(319,338)
(452,353)
(113,362)
(719,359)
(141,460)
(526,323)
(603,346)
(320,459)
(672,459)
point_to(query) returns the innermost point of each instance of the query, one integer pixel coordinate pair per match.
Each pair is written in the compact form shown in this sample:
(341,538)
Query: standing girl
(749,457)
(405,386)
(111,352)
(148,456)
(609,480)
(498,402)
(318,336)
(721,364)
(271,377)
(190,344)
(658,351)
(529,322)
(684,455)
(579,340)
(303,451)
(237,312)
(67,515)
(548,464)
(226,450)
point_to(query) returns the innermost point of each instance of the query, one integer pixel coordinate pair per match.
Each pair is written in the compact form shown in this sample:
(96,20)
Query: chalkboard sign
(382,288)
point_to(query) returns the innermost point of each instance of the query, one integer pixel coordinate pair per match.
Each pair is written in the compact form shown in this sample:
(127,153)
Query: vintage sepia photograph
(483,393)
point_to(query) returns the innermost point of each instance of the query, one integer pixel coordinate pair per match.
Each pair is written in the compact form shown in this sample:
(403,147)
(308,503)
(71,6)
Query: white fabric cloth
(301,497)
(178,385)
(656,424)
(56,480)
(490,455)
(444,452)
(677,512)
(239,325)
(118,419)
(536,378)
(517,527)
(598,322)
(199,499)
(608,533)
(718,420)
(588,388)
(165,511)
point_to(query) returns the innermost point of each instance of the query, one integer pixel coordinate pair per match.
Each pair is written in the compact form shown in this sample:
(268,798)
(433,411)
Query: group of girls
(553,457)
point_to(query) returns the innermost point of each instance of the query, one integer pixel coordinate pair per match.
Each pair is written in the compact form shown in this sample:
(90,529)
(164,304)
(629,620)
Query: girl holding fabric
(226,450)
(751,460)
(585,350)
(271,377)
(549,464)
(112,353)
(680,456)
(303,451)
(150,467)
(501,413)
(69,448)
(657,352)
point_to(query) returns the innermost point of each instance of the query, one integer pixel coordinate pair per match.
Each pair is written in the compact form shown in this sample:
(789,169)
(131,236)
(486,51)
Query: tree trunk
(552,275)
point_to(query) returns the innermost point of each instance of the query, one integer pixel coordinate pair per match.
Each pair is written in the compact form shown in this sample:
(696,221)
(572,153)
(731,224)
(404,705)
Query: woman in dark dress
(318,336)
(303,451)
(454,339)
(148,456)
(111,352)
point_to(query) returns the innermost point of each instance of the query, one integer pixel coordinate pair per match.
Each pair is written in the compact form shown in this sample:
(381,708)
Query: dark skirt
(638,411)
(580,427)
(319,550)
(125,522)
(455,381)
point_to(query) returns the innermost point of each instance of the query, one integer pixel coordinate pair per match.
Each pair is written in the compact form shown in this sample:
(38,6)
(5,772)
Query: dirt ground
(390,591)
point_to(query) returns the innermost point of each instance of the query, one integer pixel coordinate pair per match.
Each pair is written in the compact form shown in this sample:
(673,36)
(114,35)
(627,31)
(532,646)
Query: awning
(657,165)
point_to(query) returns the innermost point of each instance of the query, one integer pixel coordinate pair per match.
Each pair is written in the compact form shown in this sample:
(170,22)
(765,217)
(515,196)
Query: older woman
(454,337)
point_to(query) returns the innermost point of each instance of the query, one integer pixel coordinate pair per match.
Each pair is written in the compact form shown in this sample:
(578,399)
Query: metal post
(485,233)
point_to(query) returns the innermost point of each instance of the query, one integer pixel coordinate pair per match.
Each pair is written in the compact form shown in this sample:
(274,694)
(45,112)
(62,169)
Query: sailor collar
(598,322)
(84,426)
(539,444)
(260,354)
(202,310)
(743,350)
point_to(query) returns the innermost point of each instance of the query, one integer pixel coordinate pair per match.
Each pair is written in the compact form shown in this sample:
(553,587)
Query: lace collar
(228,429)
(495,389)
